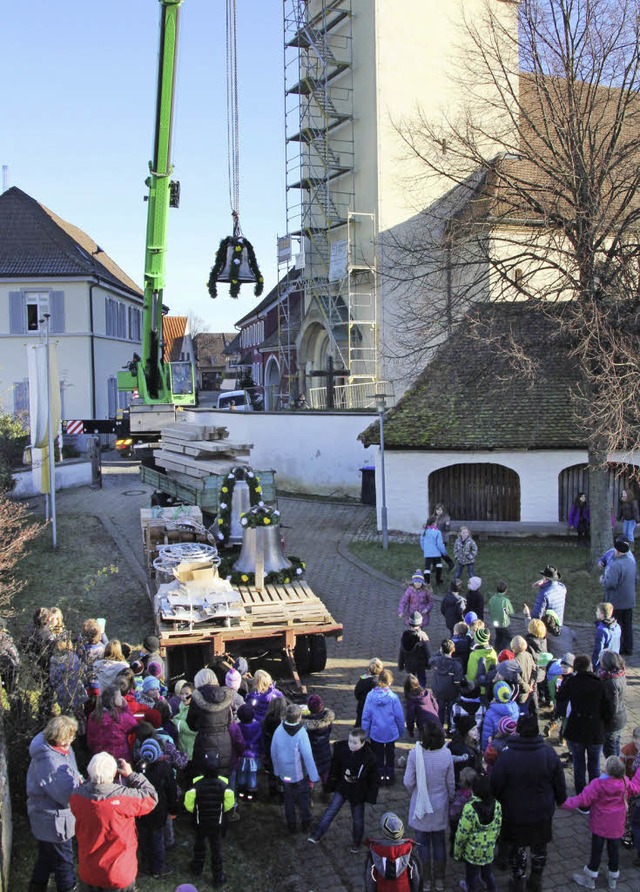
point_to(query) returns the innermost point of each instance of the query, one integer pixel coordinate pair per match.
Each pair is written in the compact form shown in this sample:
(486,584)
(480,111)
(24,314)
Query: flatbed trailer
(286,620)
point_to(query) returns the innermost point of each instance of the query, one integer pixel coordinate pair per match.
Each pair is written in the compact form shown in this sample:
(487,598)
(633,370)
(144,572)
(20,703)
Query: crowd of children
(203,743)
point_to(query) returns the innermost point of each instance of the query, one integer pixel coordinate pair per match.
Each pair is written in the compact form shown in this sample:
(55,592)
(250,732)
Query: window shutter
(56,308)
(17,322)
(21,397)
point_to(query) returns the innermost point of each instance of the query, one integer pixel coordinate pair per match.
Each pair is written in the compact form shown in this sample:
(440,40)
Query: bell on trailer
(240,504)
(267,538)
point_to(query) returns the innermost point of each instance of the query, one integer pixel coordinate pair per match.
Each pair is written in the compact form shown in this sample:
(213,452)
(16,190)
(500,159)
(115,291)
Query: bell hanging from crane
(235,263)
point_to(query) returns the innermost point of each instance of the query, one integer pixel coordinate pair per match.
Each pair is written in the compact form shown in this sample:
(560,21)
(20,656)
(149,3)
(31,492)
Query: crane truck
(160,385)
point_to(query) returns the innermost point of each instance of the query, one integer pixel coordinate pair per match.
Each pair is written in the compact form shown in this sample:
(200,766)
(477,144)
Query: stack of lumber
(192,452)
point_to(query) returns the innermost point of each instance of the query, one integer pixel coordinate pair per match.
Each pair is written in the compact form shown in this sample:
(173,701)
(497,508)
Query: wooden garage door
(477,491)
(576,479)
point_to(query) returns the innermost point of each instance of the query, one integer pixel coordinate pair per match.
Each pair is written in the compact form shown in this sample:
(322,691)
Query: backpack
(552,623)
(383,872)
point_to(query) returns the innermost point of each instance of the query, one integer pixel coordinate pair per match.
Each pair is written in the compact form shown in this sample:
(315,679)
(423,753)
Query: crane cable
(233,130)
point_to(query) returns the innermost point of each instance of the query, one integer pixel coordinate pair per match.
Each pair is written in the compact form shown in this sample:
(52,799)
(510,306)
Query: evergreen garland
(241,472)
(237,242)
(281,577)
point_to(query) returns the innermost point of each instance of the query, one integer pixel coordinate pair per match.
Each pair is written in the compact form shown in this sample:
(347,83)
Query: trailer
(289,621)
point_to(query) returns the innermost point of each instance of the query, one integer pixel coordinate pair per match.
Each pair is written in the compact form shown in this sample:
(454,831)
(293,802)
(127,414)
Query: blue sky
(78,106)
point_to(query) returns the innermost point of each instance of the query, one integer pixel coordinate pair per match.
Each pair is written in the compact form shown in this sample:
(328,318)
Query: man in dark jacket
(586,720)
(619,583)
(453,605)
(528,780)
(415,653)
(446,679)
(353,778)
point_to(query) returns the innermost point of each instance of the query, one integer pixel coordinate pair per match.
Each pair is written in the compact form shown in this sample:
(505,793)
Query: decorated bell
(235,263)
(268,539)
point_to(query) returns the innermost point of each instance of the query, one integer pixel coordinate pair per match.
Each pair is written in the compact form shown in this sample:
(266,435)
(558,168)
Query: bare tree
(16,531)
(538,177)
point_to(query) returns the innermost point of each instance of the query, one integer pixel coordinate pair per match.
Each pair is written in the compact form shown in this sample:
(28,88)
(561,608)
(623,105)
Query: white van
(235,400)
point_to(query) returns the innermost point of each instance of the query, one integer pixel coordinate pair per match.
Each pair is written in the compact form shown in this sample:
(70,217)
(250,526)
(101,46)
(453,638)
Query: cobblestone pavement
(365,602)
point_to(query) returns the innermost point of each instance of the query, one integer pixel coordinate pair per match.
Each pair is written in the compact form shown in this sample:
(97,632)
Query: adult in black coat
(453,606)
(353,778)
(210,715)
(415,653)
(590,713)
(529,782)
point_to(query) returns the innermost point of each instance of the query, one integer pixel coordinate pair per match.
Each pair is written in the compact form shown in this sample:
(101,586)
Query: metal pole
(383,509)
(52,458)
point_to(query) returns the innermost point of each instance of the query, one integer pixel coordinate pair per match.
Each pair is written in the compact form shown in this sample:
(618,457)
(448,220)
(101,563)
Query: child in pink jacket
(606,801)
(418,596)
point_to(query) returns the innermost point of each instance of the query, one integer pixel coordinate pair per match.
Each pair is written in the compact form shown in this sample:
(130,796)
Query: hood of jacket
(320,721)
(212,698)
(411,637)
(525,744)
(292,730)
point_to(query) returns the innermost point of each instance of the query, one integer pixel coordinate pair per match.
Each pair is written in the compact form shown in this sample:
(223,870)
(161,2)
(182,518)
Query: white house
(49,266)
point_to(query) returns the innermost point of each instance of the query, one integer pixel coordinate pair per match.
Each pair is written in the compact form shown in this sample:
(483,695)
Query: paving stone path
(365,602)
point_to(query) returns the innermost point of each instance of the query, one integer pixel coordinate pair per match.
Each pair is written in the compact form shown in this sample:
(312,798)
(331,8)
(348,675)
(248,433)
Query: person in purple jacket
(251,762)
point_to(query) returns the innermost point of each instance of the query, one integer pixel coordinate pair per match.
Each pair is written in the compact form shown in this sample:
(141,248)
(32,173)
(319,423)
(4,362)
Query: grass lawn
(85,577)
(518,562)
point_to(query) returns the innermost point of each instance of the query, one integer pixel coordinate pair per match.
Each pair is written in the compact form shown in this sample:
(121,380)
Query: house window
(37,304)
(134,324)
(21,397)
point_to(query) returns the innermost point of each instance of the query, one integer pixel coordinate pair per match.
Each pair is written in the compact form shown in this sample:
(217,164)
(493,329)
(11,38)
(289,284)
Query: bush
(14,436)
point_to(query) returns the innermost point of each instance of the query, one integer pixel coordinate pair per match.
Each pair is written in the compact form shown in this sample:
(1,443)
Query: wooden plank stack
(197,451)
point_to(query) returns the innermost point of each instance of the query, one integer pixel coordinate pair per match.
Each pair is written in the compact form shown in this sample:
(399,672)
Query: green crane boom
(157,381)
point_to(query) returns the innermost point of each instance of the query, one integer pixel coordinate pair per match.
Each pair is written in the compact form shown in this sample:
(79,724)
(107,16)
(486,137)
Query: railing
(352,396)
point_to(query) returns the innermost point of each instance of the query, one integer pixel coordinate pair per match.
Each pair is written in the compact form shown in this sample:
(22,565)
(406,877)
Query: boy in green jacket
(500,612)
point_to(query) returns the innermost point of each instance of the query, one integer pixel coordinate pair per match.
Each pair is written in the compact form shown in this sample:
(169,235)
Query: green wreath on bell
(237,242)
(223,520)
(280,577)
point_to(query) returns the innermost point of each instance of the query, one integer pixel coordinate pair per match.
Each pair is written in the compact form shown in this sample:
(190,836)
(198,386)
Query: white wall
(310,452)
(407,476)
(72,473)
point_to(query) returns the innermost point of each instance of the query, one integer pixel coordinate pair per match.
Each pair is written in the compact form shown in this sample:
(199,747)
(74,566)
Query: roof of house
(174,329)
(35,242)
(473,395)
(213,344)
(272,297)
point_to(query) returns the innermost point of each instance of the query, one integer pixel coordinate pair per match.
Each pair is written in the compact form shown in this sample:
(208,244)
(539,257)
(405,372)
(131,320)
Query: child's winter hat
(470,617)
(507,725)
(233,679)
(545,659)
(474,584)
(241,665)
(154,668)
(150,683)
(315,704)
(137,667)
(245,713)
(506,655)
(502,692)
(418,577)
(392,826)
(205,677)
(416,619)
(567,659)
(179,686)
(482,636)
(150,751)
(186,887)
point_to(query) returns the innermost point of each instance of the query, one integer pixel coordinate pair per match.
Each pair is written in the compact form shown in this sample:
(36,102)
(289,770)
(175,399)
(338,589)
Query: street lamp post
(381,406)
